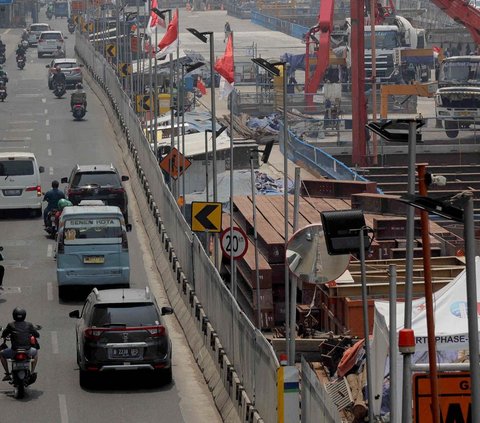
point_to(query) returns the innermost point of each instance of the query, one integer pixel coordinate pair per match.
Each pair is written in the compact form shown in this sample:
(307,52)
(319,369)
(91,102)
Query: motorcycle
(49,14)
(71,28)
(3,59)
(21,368)
(21,62)
(3,94)
(79,111)
(52,223)
(59,90)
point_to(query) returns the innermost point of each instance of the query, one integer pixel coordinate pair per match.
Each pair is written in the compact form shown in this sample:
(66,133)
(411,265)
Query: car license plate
(94,259)
(20,365)
(12,192)
(125,352)
(464,113)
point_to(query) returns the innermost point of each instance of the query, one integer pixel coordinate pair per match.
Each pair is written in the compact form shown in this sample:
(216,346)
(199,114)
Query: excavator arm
(461,12)
(318,50)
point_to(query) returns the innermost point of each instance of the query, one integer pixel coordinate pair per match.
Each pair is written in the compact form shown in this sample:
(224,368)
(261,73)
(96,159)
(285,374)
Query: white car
(34,30)
(49,41)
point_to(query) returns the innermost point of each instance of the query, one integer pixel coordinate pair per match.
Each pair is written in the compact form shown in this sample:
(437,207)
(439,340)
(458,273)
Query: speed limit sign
(235,246)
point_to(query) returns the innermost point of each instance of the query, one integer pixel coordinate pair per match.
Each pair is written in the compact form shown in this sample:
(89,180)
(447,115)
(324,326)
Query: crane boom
(463,13)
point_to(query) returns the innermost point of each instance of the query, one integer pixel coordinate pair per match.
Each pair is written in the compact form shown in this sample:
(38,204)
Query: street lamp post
(202,36)
(290,303)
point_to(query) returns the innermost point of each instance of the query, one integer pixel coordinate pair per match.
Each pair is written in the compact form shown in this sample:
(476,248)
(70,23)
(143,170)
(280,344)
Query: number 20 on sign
(235,246)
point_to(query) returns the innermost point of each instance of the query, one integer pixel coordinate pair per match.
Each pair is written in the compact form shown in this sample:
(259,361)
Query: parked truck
(61,9)
(457,100)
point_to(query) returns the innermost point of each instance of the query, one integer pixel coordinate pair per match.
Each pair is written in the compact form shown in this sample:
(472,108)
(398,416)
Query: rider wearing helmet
(62,203)
(52,197)
(20,333)
(79,96)
(3,75)
(58,77)
(21,50)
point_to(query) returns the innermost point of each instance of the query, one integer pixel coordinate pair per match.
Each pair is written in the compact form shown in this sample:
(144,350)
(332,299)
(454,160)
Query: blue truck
(61,9)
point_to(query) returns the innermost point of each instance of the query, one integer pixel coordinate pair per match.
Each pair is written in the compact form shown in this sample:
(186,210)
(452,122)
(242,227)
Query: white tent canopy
(451,328)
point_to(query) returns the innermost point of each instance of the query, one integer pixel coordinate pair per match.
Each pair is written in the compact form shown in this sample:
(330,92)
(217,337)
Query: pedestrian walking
(227,30)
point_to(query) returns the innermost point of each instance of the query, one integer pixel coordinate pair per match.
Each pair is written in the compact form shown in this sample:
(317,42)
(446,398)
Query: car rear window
(131,314)
(67,65)
(51,36)
(39,28)
(80,230)
(16,167)
(96,178)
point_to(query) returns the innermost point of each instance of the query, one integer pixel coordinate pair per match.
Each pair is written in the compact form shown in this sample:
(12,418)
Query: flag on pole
(225,67)
(169,42)
(154,19)
(201,86)
(436,51)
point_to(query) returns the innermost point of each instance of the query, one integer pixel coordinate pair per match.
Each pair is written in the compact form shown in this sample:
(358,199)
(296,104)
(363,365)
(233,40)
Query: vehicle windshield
(383,40)
(467,71)
(128,314)
(79,229)
(39,28)
(65,65)
(16,167)
(50,36)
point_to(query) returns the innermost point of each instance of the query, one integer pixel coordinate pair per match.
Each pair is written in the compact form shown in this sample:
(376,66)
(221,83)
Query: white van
(20,186)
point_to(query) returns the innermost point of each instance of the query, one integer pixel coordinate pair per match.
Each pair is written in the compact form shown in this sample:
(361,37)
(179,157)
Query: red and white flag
(436,51)
(225,67)
(154,19)
(201,86)
(169,42)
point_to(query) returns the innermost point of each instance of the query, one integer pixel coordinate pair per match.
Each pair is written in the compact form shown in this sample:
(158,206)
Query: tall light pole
(202,36)
(290,303)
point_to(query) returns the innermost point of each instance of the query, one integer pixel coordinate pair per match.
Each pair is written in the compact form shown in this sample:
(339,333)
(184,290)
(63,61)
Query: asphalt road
(32,118)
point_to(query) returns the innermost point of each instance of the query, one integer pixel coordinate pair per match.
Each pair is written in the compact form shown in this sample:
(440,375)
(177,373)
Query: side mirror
(167,310)
(41,169)
(125,178)
(75,314)
(64,180)
(128,227)
(47,66)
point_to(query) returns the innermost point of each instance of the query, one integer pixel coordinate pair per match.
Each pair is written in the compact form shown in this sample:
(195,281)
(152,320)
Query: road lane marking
(16,139)
(28,95)
(45,111)
(49,151)
(48,137)
(54,342)
(47,122)
(44,100)
(50,171)
(19,130)
(49,250)
(63,408)
(20,122)
(49,291)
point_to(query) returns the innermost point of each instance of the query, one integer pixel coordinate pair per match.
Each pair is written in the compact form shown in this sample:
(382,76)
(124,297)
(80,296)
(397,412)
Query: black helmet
(19,314)
(79,86)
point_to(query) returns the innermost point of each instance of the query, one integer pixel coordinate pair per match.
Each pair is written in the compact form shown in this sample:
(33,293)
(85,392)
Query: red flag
(154,19)
(225,66)
(201,86)
(436,51)
(169,42)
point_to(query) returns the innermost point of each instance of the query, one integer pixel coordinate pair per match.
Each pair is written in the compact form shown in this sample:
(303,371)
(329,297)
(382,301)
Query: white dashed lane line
(63,408)
(50,171)
(49,291)
(44,100)
(47,122)
(49,151)
(48,137)
(50,250)
(45,111)
(54,342)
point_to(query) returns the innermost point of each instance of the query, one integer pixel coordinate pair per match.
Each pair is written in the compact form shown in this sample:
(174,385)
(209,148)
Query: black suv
(97,182)
(122,329)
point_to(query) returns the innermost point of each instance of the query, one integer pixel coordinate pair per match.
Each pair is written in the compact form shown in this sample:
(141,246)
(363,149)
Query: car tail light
(36,188)
(156,331)
(93,333)
(116,190)
(20,356)
(124,242)
(75,70)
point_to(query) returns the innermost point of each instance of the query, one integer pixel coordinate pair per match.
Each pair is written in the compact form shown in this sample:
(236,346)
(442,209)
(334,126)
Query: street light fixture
(450,209)
(290,309)
(202,36)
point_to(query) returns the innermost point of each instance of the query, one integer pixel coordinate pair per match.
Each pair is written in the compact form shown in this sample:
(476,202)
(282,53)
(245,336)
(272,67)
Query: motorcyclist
(3,86)
(79,96)
(20,333)
(3,75)
(52,197)
(2,47)
(21,51)
(59,53)
(58,77)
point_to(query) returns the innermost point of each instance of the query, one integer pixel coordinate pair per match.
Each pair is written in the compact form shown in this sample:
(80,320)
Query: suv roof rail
(95,291)
(147,292)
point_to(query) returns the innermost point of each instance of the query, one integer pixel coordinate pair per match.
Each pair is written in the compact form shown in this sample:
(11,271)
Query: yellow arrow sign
(87,27)
(111,50)
(206,217)
(125,69)
(143,103)
(75,19)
